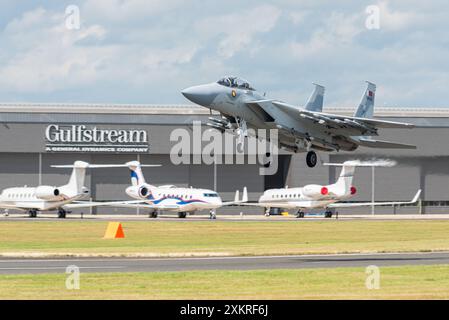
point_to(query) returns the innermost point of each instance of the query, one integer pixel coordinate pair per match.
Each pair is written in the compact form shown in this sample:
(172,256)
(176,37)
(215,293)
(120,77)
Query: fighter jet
(301,129)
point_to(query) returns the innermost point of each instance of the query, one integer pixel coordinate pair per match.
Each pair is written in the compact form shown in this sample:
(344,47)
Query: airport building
(36,136)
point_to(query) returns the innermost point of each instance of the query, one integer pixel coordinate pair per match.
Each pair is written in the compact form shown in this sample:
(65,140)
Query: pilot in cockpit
(235,82)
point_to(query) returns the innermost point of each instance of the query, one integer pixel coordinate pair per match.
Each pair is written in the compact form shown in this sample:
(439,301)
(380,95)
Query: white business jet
(49,198)
(315,196)
(168,197)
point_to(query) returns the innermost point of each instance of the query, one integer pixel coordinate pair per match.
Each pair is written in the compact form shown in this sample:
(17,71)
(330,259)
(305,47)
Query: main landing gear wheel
(300,214)
(182,215)
(32,213)
(328,214)
(311,159)
(153,214)
(61,213)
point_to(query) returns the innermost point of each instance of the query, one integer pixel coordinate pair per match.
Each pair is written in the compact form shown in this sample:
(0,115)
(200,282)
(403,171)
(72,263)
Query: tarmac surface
(247,217)
(59,265)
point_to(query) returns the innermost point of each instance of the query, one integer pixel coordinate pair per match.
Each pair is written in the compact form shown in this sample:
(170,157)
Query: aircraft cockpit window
(235,82)
(211,195)
(224,82)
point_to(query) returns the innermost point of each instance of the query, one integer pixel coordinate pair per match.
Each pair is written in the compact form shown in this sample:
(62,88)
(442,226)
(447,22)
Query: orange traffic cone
(114,231)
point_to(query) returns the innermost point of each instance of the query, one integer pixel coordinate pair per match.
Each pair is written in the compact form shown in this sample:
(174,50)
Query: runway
(34,266)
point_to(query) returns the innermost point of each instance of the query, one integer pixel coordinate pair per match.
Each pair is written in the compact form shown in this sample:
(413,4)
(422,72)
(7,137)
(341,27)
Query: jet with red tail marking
(314,196)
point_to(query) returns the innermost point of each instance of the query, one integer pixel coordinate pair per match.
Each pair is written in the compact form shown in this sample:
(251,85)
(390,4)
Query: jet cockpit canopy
(235,82)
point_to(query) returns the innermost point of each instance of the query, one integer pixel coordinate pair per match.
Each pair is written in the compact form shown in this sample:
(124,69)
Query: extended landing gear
(242,133)
(273,212)
(267,212)
(32,213)
(311,159)
(300,214)
(62,213)
(182,215)
(328,214)
(153,214)
(212,215)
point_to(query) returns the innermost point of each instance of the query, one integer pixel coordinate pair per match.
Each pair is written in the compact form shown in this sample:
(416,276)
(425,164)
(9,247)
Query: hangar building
(35,136)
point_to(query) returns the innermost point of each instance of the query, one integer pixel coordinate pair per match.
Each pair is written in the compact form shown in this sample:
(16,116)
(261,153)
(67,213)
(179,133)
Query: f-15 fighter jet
(301,129)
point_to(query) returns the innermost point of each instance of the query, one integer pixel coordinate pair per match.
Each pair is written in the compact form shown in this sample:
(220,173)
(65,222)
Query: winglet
(416,198)
(237,195)
(245,195)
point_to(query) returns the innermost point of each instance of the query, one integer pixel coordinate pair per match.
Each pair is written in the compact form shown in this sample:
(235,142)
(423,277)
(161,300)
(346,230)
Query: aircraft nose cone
(202,95)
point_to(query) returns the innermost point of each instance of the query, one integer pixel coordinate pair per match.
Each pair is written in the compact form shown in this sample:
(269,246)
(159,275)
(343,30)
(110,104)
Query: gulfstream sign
(80,138)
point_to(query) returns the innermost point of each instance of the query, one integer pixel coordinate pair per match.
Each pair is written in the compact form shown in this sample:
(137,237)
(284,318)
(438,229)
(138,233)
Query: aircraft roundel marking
(324,191)
(233,93)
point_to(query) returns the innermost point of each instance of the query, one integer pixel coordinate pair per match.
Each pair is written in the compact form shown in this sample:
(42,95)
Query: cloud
(145,52)
(394,20)
(238,29)
(297,17)
(338,30)
(120,11)
(45,57)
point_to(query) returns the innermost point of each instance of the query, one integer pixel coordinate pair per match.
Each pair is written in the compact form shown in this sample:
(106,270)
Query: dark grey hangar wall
(35,136)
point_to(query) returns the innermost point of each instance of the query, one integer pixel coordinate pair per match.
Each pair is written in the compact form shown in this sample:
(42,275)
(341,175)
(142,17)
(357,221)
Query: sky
(147,51)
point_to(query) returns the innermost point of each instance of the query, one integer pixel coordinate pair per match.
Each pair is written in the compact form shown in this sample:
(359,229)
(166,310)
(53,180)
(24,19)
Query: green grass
(410,282)
(223,238)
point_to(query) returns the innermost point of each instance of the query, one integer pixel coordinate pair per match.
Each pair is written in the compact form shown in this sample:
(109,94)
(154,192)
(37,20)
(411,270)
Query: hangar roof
(178,114)
(194,109)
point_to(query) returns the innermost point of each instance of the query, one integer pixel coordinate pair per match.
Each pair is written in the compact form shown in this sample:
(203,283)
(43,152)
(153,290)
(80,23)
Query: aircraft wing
(382,123)
(124,204)
(85,204)
(339,121)
(252,204)
(369,204)
(5,206)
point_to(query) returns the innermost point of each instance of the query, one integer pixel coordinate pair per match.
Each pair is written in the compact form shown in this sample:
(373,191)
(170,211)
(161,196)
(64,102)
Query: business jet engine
(315,191)
(138,192)
(48,193)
